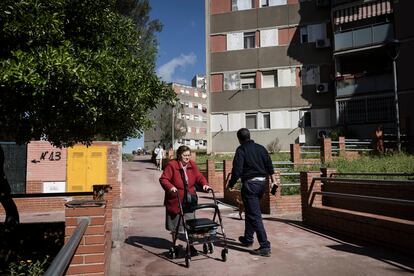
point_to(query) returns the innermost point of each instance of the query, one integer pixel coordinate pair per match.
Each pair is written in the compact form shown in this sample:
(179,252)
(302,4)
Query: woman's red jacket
(171,177)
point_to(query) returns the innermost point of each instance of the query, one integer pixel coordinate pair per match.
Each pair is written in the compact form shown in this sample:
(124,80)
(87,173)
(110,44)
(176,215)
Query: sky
(181,49)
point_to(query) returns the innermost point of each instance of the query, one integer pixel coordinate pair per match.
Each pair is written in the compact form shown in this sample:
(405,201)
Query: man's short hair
(243,134)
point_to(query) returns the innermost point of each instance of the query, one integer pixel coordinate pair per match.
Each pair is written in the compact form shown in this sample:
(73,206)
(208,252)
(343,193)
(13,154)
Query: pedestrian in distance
(159,155)
(379,140)
(252,164)
(180,175)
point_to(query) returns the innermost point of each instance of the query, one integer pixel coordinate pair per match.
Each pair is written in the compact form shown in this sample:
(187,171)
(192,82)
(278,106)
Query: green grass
(390,163)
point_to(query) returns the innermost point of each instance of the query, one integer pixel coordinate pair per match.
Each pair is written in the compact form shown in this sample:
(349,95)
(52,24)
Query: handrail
(368,181)
(368,198)
(373,173)
(51,194)
(62,260)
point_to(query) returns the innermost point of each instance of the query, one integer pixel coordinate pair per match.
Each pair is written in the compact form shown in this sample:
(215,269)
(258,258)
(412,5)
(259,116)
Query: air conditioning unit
(323,43)
(322,88)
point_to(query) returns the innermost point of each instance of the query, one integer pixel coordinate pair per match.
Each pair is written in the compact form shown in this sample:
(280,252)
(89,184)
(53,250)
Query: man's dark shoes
(245,242)
(262,251)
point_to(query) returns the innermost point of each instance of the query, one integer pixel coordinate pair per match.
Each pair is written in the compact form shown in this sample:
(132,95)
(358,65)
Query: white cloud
(167,70)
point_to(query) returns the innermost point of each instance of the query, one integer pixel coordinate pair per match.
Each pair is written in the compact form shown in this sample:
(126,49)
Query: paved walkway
(141,243)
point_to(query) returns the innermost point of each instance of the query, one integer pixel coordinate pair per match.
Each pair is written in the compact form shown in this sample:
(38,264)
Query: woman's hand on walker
(173,190)
(206,188)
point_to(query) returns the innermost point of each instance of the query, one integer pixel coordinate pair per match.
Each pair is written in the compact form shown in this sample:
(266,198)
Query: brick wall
(45,162)
(91,256)
(45,169)
(362,224)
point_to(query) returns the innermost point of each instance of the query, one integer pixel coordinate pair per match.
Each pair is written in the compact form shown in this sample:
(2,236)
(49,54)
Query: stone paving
(141,242)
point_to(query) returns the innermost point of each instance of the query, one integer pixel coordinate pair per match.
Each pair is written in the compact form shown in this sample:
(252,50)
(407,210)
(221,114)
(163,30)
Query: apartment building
(269,68)
(362,52)
(193,112)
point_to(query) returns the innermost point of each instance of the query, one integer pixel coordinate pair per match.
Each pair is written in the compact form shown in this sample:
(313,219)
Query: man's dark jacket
(251,160)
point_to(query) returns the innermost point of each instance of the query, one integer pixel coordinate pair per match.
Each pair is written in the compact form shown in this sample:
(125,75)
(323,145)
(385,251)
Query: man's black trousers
(251,192)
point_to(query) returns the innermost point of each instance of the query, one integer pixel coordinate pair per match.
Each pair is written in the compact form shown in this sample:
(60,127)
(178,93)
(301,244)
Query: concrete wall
(227,141)
(363,224)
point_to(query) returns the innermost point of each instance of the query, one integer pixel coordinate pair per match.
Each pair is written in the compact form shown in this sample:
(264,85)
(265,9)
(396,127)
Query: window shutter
(277,2)
(244,4)
(286,77)
(269,38)
(231,81)
(235,41)
(268,79)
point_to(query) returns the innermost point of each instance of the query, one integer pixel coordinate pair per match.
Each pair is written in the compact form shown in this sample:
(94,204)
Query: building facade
(269,68)
(193,111)
(363,51)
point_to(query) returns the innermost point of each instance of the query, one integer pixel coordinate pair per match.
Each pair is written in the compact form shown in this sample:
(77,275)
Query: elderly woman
(172,180)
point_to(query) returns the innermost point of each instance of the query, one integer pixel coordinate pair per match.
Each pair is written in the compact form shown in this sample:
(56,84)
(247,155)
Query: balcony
(355,38)
(367,84)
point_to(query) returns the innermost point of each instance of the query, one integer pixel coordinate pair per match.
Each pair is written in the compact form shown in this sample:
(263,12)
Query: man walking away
(252,164)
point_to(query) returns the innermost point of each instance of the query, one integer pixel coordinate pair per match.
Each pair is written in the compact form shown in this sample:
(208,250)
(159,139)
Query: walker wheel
(224,255)
(171,252)
(211,247)
(205,248)
(187,261)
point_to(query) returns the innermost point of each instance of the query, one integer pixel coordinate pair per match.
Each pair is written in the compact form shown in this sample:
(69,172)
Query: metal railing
(372,174)
(396,201)
(62,260)
(381,182)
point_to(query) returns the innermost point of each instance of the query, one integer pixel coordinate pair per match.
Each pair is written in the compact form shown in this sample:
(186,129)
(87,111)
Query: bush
(127,157)
(273,147)
(28,267)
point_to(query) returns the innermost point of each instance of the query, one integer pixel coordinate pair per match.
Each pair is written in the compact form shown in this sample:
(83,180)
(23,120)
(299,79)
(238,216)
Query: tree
(180,126)
(72,70)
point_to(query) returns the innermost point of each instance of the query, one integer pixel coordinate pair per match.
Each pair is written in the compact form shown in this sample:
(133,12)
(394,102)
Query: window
(197,130)
(234,41)
(231,81)
(219,122)
(266,120)
(186,104)
(190,104)
(269,38)
(181,91)
(312,33)
(269,79)
(196,117)
(249,40)
(195,105)
(310,74)
(251,120)
(189,129)
(187,92)
(307,122)
(286,77)
(196,94)
(304,34)
(191,117)
(248,80)
(204,95)
(267,3)
(239,5)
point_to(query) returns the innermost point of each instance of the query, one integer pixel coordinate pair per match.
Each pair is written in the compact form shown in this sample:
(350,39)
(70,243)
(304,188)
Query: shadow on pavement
(160,243)
(350,245)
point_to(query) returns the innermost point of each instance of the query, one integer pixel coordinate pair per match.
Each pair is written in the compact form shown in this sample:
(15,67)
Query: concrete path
(142,243)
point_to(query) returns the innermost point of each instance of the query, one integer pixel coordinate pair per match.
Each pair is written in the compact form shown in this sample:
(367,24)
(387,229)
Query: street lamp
(393,50)
(173,103)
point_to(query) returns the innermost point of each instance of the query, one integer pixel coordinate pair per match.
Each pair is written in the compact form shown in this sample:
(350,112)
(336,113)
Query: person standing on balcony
(252,164)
